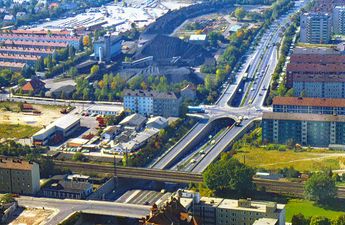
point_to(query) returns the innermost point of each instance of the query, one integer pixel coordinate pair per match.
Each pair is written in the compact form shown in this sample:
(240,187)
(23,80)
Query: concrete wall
(106,188)
(8,212)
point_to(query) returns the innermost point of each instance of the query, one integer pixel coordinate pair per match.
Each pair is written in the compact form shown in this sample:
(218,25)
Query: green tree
(339,221)
(299,219)
(94,70)
(320,220)
(78,156)
(39,65)
(71,51)
(320,188)
(229,174)
(6,198)
(240,13)
(209,83)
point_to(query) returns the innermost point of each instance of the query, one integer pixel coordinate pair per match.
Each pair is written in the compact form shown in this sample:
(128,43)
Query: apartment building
(339,20)
(68,39)
(315,28)
(318,130)
(309,105)
(317,73)
(148,103)
(218,211)
(18,176)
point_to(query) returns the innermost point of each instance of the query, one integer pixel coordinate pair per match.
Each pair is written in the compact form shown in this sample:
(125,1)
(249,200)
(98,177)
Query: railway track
(272,186)
(133,172)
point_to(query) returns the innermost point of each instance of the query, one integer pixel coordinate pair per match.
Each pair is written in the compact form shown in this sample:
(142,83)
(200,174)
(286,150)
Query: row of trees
(110,87)
(300,219)
(276,88)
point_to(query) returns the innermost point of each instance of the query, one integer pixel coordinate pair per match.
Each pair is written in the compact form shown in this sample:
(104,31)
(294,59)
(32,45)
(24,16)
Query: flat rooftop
(303,117)
(108,108)
(15,164)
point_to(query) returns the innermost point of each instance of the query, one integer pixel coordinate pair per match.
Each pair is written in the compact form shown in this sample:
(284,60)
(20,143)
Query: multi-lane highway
(257,69)
(174,152)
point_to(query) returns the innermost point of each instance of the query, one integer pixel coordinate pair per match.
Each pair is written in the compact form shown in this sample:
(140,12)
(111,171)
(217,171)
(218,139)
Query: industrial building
(18,176)
(339,20)
(107,47)
(148,103)
(315,28)
(105,110)
(57,131)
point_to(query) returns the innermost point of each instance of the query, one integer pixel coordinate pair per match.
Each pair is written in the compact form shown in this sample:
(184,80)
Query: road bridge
(66,207)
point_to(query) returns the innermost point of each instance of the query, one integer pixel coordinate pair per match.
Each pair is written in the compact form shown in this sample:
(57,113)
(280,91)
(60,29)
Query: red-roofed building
(172,212)
(34,86)
(317,73)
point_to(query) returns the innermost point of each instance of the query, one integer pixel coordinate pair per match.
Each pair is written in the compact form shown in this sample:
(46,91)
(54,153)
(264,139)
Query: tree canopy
(320,187)
(229,174)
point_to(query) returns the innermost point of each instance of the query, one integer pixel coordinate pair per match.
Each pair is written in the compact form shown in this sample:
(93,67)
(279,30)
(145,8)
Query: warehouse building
(57,131)
(105,110)
(18,176)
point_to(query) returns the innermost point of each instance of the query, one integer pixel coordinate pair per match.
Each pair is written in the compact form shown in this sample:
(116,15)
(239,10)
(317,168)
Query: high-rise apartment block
(315,28)
(339,20)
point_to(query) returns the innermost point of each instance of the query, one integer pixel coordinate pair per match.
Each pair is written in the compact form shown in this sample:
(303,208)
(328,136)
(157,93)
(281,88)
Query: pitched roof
(33,84)
(37,43)
(317,58)
(12,65)
(322,102)
(316,68)
(133,120)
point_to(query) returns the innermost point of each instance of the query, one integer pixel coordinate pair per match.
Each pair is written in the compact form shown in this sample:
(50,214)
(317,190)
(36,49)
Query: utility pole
(115,173)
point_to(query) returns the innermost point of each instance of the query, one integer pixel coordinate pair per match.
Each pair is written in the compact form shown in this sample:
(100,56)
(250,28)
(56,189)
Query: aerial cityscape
(172,112)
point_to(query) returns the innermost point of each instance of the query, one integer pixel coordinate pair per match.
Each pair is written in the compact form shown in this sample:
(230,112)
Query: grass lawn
(311,160)
(307,208)
(17,131)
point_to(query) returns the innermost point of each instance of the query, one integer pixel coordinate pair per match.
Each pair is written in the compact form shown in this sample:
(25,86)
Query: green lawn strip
(308,208)
(17,131)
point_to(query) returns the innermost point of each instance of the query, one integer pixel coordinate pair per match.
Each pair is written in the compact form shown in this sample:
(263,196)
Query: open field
(311,160)
(10,114)
(17,131)
(307,208)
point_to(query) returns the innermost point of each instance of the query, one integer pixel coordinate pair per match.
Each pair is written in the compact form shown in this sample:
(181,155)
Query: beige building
(18,176)
(220,211)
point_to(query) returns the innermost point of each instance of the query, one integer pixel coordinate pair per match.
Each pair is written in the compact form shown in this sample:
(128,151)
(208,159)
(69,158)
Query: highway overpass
(66,207)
